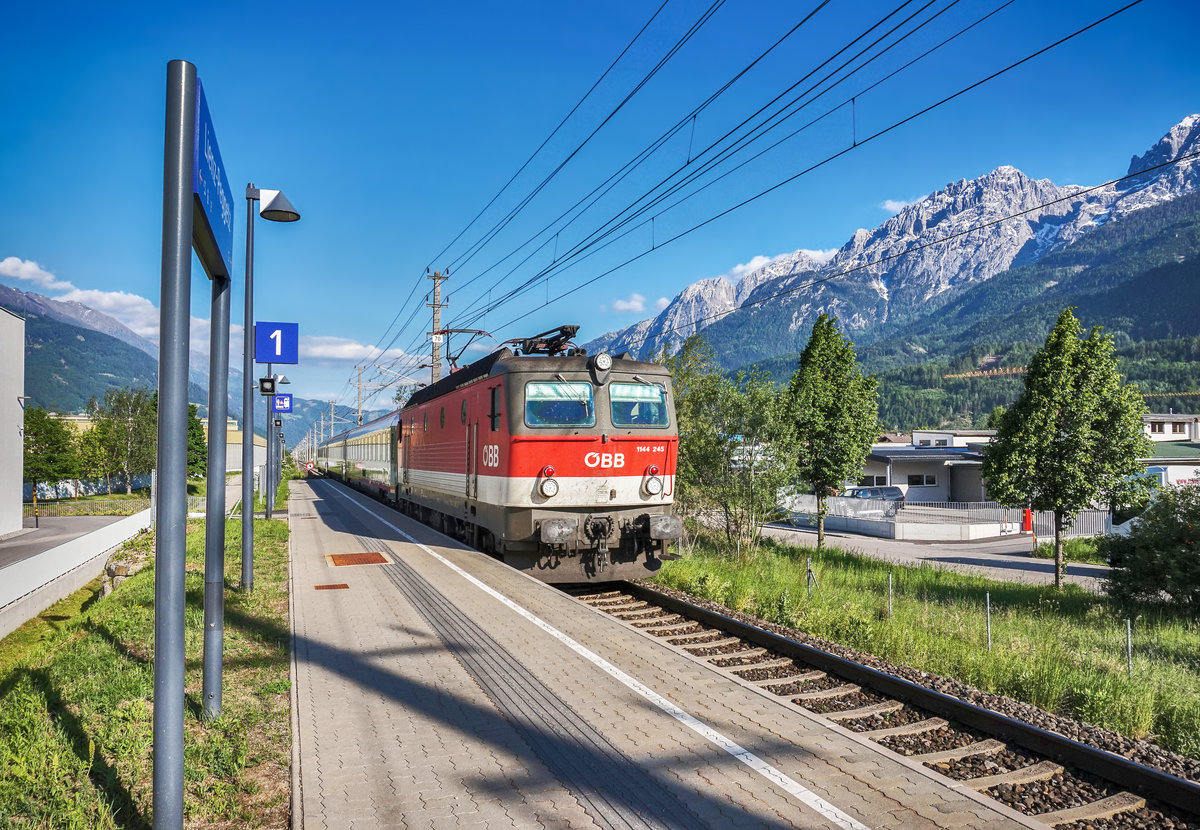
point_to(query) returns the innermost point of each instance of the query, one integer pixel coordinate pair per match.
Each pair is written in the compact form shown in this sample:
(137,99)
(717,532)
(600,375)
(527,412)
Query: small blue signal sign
(282,403)
(276,342)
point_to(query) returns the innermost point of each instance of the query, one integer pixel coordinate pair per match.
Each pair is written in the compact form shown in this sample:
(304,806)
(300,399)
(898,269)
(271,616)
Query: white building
(1171,427)
(12,419)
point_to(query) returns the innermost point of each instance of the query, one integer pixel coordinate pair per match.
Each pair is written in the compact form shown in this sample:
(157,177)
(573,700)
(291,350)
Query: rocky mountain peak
(965,233)
(1182,139)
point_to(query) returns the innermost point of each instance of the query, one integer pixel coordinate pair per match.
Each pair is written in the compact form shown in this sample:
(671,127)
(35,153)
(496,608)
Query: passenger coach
(558,463)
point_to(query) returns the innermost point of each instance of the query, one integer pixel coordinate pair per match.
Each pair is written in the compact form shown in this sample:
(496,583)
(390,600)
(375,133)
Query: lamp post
(275,207)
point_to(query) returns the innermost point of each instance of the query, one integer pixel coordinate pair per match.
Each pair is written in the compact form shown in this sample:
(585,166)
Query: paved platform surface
(49,534)
(443,689)
(1005,559)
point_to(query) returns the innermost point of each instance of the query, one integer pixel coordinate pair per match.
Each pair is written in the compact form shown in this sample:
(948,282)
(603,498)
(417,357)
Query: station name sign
(212,225)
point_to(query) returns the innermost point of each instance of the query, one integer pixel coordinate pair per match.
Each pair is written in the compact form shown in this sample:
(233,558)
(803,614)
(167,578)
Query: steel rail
(1145,781)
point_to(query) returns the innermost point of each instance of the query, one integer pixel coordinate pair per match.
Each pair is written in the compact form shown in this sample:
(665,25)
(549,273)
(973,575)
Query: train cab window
(494,412)
(561,404)
(638,404)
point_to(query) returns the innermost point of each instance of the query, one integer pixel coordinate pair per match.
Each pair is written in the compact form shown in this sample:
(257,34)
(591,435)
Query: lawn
(76,702)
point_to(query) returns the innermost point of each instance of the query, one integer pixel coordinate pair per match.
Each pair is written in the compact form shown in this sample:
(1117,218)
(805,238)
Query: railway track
(1061,782)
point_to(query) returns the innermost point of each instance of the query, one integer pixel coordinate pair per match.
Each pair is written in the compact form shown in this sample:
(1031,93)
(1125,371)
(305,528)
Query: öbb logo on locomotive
(605,460)
(535,404)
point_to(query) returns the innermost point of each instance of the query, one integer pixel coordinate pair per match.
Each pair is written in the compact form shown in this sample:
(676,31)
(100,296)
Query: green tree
(1160,558)
(129,419)
(49,449)
(1073,437)
(835,413)
(94,457)
(197,447)
(732,439)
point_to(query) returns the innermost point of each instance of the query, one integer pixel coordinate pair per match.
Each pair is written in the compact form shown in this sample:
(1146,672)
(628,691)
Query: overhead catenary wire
(611,226)
(821,163)
(712,9)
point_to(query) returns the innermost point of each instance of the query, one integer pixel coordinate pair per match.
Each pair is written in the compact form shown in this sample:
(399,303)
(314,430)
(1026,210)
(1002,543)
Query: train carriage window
(638,404)
(426,429)
(443,421)
(562,404)
(464,411)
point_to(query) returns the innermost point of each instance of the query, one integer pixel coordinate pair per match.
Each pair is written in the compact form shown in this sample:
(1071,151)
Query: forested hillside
(1138,278)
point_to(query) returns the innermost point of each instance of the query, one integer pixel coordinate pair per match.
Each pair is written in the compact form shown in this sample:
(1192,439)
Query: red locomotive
(561,464)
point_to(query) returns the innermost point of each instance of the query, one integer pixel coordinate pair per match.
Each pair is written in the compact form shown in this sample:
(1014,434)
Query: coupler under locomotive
(604,546)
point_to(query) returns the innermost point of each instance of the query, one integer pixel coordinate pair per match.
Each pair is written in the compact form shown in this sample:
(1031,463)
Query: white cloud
(738,271)
(636,302)
(661,303)
(820,256)
(893,206)
(135,311)
(29,271)
(328,350)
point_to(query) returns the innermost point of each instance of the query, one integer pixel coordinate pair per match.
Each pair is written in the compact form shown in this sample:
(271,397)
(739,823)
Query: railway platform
(434,687)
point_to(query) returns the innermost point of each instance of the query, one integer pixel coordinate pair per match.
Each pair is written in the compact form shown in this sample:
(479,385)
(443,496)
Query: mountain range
(910,267)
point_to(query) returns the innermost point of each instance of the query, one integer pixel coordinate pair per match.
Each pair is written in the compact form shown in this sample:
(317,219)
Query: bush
(1159,560)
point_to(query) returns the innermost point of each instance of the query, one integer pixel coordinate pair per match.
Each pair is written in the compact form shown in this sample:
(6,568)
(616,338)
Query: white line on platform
(794,788)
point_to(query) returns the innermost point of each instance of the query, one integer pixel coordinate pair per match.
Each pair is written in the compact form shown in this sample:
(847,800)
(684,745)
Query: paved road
(1005,559)
(50,534)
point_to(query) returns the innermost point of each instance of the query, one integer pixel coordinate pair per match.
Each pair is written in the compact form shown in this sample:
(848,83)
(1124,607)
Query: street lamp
(276,207)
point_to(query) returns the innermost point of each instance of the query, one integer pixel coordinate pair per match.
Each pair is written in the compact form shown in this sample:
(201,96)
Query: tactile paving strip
(370,558)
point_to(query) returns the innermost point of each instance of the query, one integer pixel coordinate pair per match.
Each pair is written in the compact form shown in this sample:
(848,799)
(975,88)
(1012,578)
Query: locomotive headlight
(604,361)
(654,485)
(548,488)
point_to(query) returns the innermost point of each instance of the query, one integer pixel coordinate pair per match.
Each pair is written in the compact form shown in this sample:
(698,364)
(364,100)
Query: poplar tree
(1074,436)
(835,411)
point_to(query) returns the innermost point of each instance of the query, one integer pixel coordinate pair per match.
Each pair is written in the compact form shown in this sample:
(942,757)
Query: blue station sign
(276,342)
(212,223)
(282,403)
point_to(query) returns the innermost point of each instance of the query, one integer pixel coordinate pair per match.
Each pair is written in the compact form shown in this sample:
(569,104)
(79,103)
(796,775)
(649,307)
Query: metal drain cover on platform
(336,587)
(337,560)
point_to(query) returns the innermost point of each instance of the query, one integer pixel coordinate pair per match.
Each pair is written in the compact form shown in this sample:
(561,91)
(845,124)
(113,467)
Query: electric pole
(360,396)
(437,305)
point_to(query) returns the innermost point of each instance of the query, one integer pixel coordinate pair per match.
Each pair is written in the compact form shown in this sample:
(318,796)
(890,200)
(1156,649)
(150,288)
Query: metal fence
(86,507)
(1007,519)
(100,507)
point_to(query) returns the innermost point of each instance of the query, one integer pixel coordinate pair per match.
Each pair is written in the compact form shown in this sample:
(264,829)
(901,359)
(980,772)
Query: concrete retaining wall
(29,587)
(911,531)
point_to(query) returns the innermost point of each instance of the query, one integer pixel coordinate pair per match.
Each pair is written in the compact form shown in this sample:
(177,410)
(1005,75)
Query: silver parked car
(877,493)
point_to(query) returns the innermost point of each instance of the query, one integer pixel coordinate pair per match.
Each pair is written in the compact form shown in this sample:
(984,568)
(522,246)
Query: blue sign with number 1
(276,342)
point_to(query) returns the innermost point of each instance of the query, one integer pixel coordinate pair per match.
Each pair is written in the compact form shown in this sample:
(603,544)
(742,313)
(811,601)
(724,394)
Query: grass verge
(76,702)
(1063,651)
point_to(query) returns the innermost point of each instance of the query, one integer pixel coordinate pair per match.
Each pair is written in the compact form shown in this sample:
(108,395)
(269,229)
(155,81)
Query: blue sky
(391,125)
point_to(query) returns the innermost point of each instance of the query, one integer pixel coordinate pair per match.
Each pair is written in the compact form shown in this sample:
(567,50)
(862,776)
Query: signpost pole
(214,520)
(171,515)
(248,406)
(269,479)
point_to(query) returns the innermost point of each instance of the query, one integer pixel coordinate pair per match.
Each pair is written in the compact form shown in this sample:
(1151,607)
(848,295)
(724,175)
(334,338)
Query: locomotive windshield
(638,404)
(564,404)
